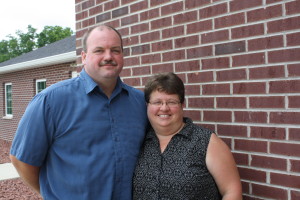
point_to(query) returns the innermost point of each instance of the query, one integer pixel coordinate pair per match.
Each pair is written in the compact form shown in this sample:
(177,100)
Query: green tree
(26,42)
(51,34)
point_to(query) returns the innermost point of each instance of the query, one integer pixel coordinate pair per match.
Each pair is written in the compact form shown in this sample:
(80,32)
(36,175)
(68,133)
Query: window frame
(37,81)
(7,114)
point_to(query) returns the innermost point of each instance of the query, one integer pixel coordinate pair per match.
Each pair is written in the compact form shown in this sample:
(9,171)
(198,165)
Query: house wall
(23,90)
(240,62)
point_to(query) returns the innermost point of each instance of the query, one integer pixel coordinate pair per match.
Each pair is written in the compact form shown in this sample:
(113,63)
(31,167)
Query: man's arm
(29,173)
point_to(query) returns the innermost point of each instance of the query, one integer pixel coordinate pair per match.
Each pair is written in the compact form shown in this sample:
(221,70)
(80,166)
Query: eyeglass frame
(170,104)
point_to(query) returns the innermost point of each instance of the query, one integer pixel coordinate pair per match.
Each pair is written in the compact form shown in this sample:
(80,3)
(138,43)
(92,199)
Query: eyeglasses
(170,104)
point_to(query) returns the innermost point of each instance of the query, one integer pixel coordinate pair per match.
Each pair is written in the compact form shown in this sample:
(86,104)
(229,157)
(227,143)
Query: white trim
(51,60)
(36,84)
(8,116)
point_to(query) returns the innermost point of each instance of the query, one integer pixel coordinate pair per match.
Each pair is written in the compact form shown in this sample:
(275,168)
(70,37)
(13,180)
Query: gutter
(51,60)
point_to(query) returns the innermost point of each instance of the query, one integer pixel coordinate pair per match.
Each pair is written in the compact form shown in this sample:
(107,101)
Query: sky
(18,14)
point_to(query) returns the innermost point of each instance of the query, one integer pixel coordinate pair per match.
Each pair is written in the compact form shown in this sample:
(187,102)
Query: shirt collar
(90,84)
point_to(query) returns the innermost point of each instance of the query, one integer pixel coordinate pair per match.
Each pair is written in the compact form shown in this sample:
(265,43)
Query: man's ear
(83,57)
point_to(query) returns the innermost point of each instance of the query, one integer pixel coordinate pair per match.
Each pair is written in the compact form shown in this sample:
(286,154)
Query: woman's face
(165,111)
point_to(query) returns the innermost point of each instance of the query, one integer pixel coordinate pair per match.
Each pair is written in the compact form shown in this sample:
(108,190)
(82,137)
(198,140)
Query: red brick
(294,101)
(199,26)
(215,63)
(230,20)
(285,55)
(185,17)
(288,86)
(285,180)
(217,116)
(201,102)
(173,32)
(87,4)
(293,39)
(129,41)
(267,72)
(148,37)
(241,159)
(283,25)
(292,8)
(231,102)
(129,20)
(149,14)
(269,192)
(194,4)
(249,88)
(231,47)
(231,75)
(139,6)
(162,45)
(88,22)
(295,165)
(216,89)
(139,28)
(151,58)
(287,149)
(138,71)
(158,2)
(247,31)
(264,13)
(265,43)
(230,130)
(103,17)
(187,41)
(295,195)
(199,52)
(192,90)
(250,117)
(200,77)
(212,11)
(269,162)
(195,115)
(96,10)
(172,8)
(236,5)
(173,55)
(187,66)
(163,22)
(294,134)
(248,174)
(131,61)
(111,5)
(294,70)
(267,102)
(132,81)
(141,49)
(214,36)
(119,12)
(285,117)
(267,133)
(166,67)
(248,59)
(81,15)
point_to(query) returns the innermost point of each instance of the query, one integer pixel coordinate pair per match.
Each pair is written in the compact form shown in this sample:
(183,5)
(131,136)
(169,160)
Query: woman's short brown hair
(167,82)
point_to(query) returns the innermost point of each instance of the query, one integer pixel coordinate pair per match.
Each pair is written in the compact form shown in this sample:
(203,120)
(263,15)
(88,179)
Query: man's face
(103,59)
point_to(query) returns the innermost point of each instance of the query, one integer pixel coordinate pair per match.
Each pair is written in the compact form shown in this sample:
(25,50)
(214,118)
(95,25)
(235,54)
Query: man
(80,138)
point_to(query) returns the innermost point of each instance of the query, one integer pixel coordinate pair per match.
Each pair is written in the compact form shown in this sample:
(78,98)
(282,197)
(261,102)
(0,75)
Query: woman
(180,160)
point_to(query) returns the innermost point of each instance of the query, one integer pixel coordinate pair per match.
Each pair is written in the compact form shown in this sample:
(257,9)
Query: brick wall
(23,90)
(240,62)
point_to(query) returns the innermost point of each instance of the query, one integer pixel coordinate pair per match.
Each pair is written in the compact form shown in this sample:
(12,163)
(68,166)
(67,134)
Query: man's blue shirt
(85,143)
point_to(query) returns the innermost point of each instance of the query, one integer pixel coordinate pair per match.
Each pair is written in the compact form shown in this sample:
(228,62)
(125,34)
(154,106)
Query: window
(40,84)
(8,99)
(75,74)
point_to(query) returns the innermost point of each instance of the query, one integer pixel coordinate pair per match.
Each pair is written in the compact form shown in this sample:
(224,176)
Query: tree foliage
(26,42)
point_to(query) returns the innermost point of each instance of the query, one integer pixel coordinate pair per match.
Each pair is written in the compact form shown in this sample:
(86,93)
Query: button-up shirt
(85,143)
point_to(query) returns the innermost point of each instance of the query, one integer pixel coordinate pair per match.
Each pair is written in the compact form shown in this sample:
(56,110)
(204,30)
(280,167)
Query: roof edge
(51,60)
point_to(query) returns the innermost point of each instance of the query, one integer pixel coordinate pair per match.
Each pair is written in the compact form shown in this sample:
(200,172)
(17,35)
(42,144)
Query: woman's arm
(221,165)
(29,173)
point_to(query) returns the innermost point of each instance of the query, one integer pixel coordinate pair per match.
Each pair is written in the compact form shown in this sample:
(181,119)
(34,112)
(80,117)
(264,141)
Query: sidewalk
(7,171)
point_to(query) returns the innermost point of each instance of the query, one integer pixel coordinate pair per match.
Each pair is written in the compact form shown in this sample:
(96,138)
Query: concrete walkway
(8,171)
